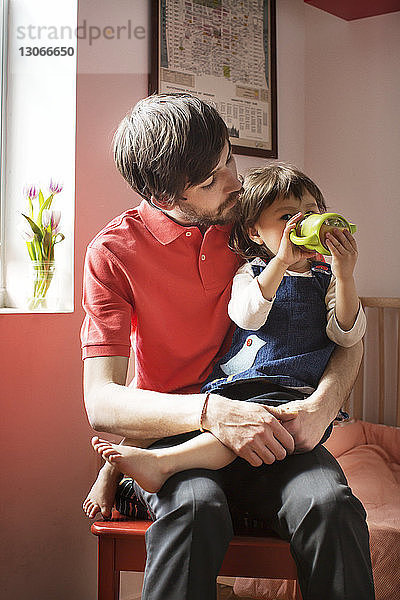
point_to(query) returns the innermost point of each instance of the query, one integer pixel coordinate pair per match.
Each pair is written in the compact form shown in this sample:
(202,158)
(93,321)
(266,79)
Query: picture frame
(225,54)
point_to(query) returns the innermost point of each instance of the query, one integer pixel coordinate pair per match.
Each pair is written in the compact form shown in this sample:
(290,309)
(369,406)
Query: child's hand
(343,248)
(288,252)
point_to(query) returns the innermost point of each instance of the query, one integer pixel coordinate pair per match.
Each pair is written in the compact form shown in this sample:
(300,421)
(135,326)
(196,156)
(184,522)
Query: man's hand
(249,429)
(304,420)
(307,420)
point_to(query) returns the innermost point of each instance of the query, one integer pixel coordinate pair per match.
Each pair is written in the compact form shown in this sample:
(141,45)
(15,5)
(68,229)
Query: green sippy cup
(311,231)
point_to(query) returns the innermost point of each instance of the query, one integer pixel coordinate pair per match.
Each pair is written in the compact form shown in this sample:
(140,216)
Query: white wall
(352,141)
(353,150)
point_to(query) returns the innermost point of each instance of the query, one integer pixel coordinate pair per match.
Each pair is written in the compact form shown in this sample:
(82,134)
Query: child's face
(273,219)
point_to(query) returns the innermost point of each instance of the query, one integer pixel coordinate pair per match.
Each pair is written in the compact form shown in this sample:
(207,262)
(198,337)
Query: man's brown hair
(168,142)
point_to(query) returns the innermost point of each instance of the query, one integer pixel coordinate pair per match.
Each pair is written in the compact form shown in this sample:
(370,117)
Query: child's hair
(261,187)
(168,141)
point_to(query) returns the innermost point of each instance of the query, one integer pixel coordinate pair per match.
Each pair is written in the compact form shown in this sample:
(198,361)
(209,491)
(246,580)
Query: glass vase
(42,275)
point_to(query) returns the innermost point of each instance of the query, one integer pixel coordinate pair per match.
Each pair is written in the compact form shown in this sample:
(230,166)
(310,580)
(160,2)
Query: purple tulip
(55,219)
(55,187)
(31,191)
(52,218)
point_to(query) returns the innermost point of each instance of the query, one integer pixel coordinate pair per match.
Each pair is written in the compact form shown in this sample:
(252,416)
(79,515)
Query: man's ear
(254,235)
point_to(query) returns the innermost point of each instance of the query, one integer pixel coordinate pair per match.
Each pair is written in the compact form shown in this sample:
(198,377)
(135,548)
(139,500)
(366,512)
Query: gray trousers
(304,498)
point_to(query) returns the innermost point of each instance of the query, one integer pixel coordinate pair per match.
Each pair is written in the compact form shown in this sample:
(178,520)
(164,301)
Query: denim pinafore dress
(291,349)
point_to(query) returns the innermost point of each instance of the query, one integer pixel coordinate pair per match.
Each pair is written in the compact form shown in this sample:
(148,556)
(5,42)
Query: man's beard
(204,219)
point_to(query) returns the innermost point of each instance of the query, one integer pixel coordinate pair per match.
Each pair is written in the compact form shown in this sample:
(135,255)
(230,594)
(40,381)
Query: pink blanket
(369,454)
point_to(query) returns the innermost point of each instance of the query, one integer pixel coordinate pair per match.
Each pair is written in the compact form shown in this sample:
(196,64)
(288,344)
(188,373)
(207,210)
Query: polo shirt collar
(164,229)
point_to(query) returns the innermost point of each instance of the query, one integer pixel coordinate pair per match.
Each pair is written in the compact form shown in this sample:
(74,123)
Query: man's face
(214,201)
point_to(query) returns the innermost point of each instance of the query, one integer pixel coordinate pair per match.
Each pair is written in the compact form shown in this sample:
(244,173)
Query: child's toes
(100,448)
(88,508)
(110,453)
(94,510)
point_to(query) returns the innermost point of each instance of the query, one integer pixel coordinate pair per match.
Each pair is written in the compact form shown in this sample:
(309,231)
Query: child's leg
(152,467)
(102,493)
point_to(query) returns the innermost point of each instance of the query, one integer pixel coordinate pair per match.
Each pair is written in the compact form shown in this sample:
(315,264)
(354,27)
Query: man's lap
(269,493)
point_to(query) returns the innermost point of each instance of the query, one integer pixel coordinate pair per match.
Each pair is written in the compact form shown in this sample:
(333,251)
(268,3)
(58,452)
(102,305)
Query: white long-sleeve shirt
(249,309)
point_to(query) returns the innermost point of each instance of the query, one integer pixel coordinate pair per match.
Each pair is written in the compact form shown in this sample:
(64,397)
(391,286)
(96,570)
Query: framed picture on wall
(223,52)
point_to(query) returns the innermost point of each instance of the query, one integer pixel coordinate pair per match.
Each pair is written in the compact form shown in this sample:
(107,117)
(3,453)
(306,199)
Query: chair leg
(107,577)
(297,592)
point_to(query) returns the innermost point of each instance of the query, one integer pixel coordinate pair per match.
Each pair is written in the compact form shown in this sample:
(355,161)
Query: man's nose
(238,184)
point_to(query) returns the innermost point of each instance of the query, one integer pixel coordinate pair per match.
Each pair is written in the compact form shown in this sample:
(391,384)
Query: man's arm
(306,420)
(246,428)
(131,412)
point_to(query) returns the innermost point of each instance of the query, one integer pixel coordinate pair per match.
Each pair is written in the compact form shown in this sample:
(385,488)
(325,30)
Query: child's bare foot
(102,494)
(145,466)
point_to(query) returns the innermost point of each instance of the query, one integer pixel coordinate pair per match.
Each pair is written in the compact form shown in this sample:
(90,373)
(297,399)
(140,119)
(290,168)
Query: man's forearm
(338,379)
(142,414)
(134,413)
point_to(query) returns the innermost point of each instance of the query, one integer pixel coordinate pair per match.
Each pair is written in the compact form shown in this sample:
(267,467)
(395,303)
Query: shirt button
(203,257)
(188,233)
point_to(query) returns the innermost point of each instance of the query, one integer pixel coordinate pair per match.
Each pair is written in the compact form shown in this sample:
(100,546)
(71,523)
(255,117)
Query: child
(290,311)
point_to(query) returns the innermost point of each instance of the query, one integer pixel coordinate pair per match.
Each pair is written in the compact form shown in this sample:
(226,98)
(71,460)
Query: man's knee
(202,495)
(329,511)
(320,496)
(197,496)
(336,504)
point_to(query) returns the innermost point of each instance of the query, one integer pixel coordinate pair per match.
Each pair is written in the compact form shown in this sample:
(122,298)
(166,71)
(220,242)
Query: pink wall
(47,463)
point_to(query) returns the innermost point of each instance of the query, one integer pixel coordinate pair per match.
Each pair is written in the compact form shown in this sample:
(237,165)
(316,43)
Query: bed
(368,449)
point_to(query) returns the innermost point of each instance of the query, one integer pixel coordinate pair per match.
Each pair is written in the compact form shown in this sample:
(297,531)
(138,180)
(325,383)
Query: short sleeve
(108,304)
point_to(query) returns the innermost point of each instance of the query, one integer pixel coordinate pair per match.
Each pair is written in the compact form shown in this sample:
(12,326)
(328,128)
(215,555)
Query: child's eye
(286,217)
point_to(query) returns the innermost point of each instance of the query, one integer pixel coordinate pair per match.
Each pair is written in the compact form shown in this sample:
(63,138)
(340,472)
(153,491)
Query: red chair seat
(122,548)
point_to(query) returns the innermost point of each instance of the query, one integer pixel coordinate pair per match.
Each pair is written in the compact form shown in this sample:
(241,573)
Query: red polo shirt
(166,285)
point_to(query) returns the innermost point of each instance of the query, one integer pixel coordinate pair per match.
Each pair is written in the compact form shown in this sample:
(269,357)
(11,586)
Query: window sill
(25,311)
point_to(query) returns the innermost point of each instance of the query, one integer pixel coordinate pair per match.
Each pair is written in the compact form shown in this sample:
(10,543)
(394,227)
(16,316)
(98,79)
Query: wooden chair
(378,310)
(121,547)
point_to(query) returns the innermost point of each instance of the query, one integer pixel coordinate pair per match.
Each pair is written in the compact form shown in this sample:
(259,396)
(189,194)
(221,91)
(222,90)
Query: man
(164,270)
